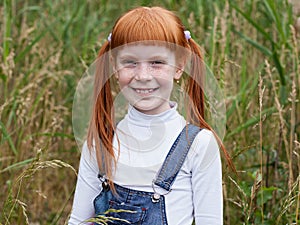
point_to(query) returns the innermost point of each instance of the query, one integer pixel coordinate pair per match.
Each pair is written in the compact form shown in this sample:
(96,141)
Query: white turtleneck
(144,143)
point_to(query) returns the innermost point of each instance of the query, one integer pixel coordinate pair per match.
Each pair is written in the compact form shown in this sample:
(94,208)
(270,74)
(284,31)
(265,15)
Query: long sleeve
(87,188)
(207,183)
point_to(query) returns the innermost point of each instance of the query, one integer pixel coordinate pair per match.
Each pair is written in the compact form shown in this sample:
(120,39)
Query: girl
(156,165)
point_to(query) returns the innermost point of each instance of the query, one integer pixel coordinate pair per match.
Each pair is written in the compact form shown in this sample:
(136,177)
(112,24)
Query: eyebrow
(154,57)
(158,57)
(126,56)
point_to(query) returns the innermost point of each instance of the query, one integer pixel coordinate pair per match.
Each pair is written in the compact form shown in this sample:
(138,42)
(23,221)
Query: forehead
(144,52)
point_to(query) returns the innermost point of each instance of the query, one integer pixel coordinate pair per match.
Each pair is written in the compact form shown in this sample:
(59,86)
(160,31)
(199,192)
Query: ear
(114,67)
(178,74)
(179,70)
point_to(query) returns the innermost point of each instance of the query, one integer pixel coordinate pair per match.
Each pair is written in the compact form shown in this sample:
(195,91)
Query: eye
(157,62)
(129,63)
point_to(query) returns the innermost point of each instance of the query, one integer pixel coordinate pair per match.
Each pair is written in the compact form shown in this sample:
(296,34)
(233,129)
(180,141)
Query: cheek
(124,78)
(166,77)
(168,84)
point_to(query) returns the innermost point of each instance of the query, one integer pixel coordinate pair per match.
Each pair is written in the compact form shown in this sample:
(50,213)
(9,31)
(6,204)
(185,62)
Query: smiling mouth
(144,90)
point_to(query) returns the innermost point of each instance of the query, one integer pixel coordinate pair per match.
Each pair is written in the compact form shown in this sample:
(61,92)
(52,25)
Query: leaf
(251,121)
(3,77)
(7,28)
(7,136)
(270,5)
(17,165)
(278,67)
(29,47)
(261,48)
(260,29)
(265,194)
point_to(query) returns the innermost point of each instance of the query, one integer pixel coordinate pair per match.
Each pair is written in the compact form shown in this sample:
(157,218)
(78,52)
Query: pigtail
(101,127)
(195,84)
(195,90)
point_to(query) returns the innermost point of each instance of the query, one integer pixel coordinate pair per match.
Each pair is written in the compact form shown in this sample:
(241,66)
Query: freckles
(166,75)
(125,78)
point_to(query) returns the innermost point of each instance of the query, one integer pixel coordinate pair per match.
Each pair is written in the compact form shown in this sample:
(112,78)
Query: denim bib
(140,207)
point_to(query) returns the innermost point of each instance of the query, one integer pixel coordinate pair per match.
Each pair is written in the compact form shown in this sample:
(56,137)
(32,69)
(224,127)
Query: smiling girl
(158,166)
(146,80)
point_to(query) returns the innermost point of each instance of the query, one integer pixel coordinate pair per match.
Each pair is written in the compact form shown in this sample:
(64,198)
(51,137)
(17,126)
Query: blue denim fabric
(146,208)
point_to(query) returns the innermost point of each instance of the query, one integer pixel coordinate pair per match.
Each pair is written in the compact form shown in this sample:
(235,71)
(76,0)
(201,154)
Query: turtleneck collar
(136,117)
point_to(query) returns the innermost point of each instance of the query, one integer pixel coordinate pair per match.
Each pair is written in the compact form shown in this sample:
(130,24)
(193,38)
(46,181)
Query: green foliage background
(251,46)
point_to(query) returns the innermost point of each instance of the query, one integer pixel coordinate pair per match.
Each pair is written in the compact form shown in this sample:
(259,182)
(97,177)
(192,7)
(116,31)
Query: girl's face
(145,74)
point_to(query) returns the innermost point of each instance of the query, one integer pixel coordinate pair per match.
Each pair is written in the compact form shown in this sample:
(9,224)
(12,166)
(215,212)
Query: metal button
(105,186)
(155,197)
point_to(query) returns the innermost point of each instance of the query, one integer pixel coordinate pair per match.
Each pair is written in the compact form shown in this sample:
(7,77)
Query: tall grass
(251,46)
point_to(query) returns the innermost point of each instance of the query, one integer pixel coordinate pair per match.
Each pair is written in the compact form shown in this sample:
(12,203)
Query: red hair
(142,24)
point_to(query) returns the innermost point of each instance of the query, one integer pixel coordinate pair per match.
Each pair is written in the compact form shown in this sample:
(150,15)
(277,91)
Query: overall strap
(176,157)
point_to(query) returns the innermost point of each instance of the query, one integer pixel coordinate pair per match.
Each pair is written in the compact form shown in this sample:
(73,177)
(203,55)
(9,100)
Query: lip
(144,91)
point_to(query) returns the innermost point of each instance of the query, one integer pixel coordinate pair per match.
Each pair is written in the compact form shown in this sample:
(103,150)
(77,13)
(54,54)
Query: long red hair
(142,24)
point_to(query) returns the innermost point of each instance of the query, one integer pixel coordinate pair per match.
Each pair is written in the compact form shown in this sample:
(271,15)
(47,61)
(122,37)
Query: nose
(143,72)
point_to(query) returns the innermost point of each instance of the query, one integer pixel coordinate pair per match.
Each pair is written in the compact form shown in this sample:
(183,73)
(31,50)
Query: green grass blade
(18,165)
(258,28)
(65,32)
(270,5)
(38,9)
(29,47)
(267,52)
(251,121)
(245,91)
(3,77)
(261,48)
(212,44)
(7,28)
(56,134)
(279,67)
(7,136)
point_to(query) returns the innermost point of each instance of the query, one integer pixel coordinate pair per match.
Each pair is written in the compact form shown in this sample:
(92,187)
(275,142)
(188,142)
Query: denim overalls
(146,208)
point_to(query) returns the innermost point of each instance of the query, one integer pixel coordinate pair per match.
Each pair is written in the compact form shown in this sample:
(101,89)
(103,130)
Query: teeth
(144,91)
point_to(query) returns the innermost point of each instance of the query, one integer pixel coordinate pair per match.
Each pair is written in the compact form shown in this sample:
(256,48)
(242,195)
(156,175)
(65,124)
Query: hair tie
(109,37)
(187,35)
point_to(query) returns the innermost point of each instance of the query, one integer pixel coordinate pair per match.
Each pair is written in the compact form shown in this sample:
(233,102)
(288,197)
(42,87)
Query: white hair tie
(109,37)
(187,35)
